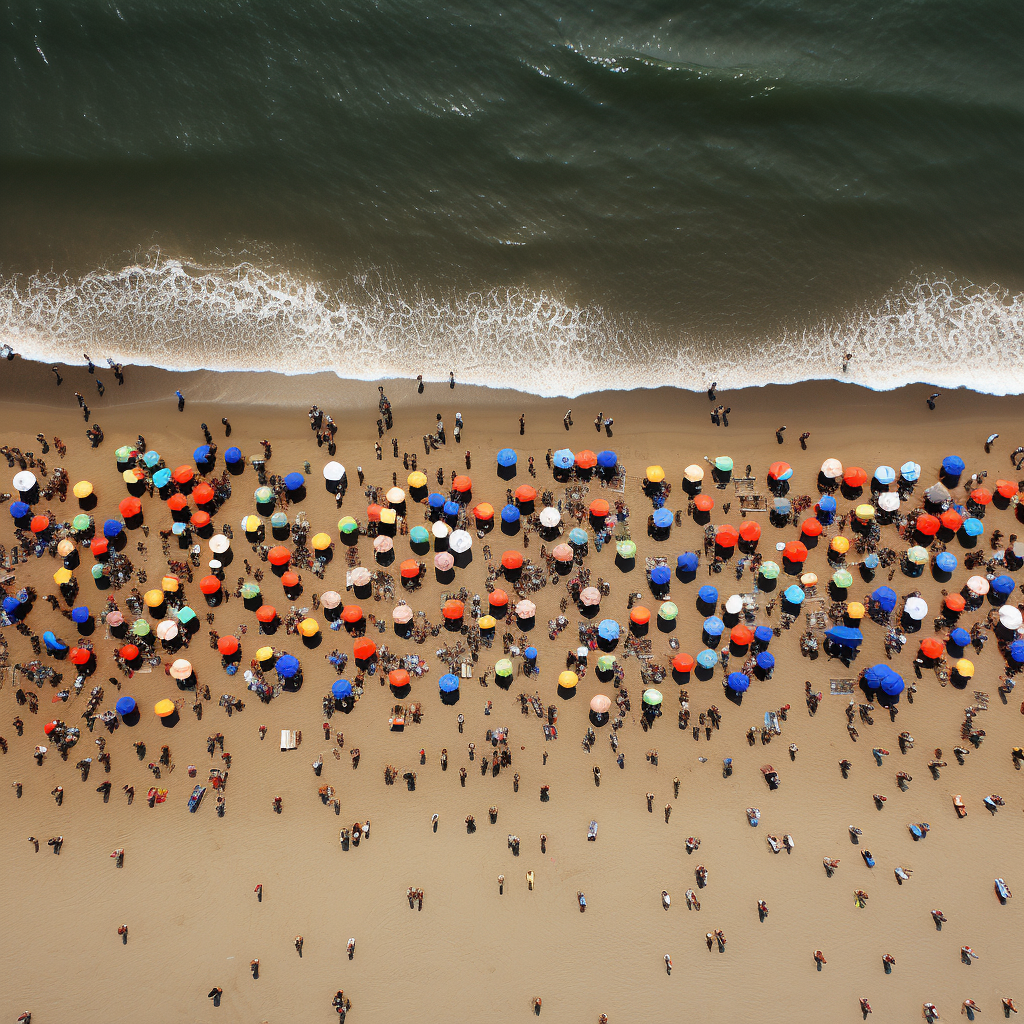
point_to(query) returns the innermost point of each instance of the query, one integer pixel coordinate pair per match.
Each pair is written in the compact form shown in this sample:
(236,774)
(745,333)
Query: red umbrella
(928,525)
(931,647)
(854,476)
(599,508)
(704,502)
(279,556)
(399,678)
(129,652)
(525,493)
(80,655)
(981,496)
(741,636)
(794,551)
(39,524)
(778,469)
(129,507)
(183,474)
(683,663)
(955,602)
(462,484)
(364,649)
(49,727)
(727,537)
(266,613)
(352,613)
(227,645)
(512,560)
(750,532)
(951,520)
(176,502)
(811,527)
(498,598)
(200,520)
(410,569)
(289,579)
(373,513)
(640,615)
(99,546)
(586,459)
(203,494)
(209,585)
(453,609)
(1005,489)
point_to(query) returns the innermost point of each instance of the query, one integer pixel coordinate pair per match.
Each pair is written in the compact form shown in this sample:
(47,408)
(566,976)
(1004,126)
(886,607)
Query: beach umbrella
(854,477)
(164,708)
(19,509)
(875,675)
(567,680)
(794,595)
(741,636)
(750,532)
(845,636)
(65,575)
(973,527)
(707,595)
(525,610)
(668,612)
(763,635)
(1002,585)
(352,613)
(444,561)
(889,501)
(264,654)
(1010,618)
(590,597)
(287,666)
(185,615)
(687,562)
(578,537)
(416,480)
(840,545)
(953,466)
(625,549)
(395,496)
(959,637)
(506,458)
(503,667)
(289,580)
(181,669)
(915,608)
(263,495)
(811,528)
(453,609)
(399,679)
(707,659)
(563,459)
(892,685)
(1006,489)
(683,663)
(885,475)
(322,541)
(931,647)
(388,516)
(440,530)
(661,575)
(727,537)
(167,630)
(436,501)
(733,604)
(723,463)
(638,615)
(714,626)
(279,556)
(227,645)
(605,663)
(855,610)
(832,469)
(1017,651)
(510,514)
(795,551)
(177,502)
(765,661)
(964,668)
(511,560)
(693,474)
(562,553)
(82,489)
(608,629)
(885,598)
(917,555)
(927,525)
(864,512)
(52,644)
(703,503)
(780,471)
(266,613)
(600,704)
(24,481)
(769,570)
(586,459)
(250,590)
(607,459)
(203,494)
(910,471)
(484,512)
(409,569)
(550,517)
(333,471)
(201,454)
(738,682)
(842,579)
(451,509)
(652,698)
(340,689)
(199,520)
(401,614)
(525,493)
(125,705)
(112,529)
(383,544)
(80,614)
(460,541)
(981,496)
(129,652)
(655,474)
(448,683)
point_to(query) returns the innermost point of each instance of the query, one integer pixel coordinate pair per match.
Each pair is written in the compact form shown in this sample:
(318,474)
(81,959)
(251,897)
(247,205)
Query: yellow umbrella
(164,708)
(82,489)
(250,524)
(855,610)
(320,542)
(840,545)
(568,680)
(132,476)
(309,627)
(265,654)
(655,474)
(964,668)
(417,479)
(62,576)
(388,515)
(153,598)
(170,584)
(865,513)
(487,622)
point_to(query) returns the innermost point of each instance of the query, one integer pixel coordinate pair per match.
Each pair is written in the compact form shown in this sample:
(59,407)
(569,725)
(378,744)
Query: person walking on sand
(181,408)
(254,966)
(567,419)
(779,433)
(259,892)
(930,1012)
(1008,1006)
(123,932)
(931,400)
(865,1007)
(298,944)
(668,963)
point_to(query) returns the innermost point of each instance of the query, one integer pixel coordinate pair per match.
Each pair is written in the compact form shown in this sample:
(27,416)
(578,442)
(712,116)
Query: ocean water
(536,195)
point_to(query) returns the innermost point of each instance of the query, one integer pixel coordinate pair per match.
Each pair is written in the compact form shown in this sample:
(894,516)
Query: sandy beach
(471,953)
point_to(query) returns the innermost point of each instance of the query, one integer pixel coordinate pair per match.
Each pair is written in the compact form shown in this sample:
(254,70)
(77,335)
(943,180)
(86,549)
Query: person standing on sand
(567,419)
(56,373)
(779,433)
(522,424)
(931,400)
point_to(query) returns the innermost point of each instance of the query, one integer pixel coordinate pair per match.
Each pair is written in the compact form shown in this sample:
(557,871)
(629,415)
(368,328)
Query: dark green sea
(546,195)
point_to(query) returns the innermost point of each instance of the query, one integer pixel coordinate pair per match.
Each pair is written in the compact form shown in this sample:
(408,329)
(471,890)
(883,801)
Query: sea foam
(164,312)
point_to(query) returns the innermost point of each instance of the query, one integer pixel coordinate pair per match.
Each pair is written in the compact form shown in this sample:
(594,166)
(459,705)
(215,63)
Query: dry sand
(186,888)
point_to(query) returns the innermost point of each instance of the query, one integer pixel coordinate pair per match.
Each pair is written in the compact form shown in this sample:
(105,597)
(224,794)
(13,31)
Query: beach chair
(288,739)
(771,776)
(958,803)
(591,832)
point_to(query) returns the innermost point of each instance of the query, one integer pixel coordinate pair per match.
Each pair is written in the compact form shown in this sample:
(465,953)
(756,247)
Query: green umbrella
(770,570)
(842,579)
(419,535)
(279,519)
(97,571)
(652,697)
(606,662)
(625,549)
(185,614)
(263,495)
(124,453)
(140,627)
(348,525)
(668,611)
(723,464)
(917,555)
(81,522)
(503,667)
(250,590)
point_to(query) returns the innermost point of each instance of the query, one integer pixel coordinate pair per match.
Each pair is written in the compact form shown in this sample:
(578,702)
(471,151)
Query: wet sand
(186,888)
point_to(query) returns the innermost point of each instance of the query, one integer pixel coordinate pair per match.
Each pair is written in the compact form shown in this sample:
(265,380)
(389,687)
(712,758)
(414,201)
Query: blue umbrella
(11,606)
(150,459)
(451,508)
(910,471)
(973,527)
(112,528)
(952,465)
(53,644)
(510,514)
(607,460)
(871,562)
(287,666)
(161,478)
(763,634)
(738,682)
(661,575)
(178,528)
(201,454)
(893,684)
(687,562)
(435,500)
(707,594)
(448,683)
(563,459)
(341,688)
(1017,651)
(294,481)
(662,518)
(125,705)
(783,506)
(945,561)
(766,661)
(608,629)
(845,636)
(714,626)
(876,675)
(794,595)
(707,659)
(885,598)
(827,503)
(1002,585)
(233,456)
(885,475)
(507,457)
(959,637)
(577,536)
(19,509)
(530,654)
(81,614)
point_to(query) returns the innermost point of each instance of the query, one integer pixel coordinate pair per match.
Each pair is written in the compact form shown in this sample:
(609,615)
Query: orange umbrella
(200,520)
(203,494)
(266,613)
(931,647)
(811,527)
(586,459)
(640,615)
(741,636)
(794,551)
(704,502)
(512,560)
(227,645)
(462,484)
(39,524)
(279,556)
(525,493)
(352,613)
(750,531)
(373,513)
(289,579)
(484,511)
(981,496)
(778,469)
(498,598)
(453,609)
(129,652)
(410,569)
(80,655)
(183,474)
(1005,489)
(955,602)
(176,502)
(928,525)
(364,649)
(951,519)
(683,663)
(854,476)
(399,678)
(209,585)
(599,508)
(727,537)
(129,507)
(99,546)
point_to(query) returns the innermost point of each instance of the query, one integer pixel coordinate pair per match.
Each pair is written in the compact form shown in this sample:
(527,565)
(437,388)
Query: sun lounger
(958,803)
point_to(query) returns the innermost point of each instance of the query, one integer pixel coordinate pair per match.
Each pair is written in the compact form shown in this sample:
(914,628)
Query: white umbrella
(168,630)
(24,481)
(978,585)
(402,613)
(831,469)
(330,599)
(383,544)
(694,474)
(334,471)
(460,541)
(360,576)
(889,501)
(219,544)
(734,605)
(181,669)
(916,608)
(1010,618)
(550,517)
(526,609)
(396,496)
(440,530)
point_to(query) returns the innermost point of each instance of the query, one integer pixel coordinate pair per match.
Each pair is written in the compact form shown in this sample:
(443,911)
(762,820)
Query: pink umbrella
(167,630)
(526,609)
(600,704)
(562,553)
(331,599)
(181,669)
(361,576)
(978,585)
(444,561)
(115,618)
(383,544)
(402,613)
(590,596)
